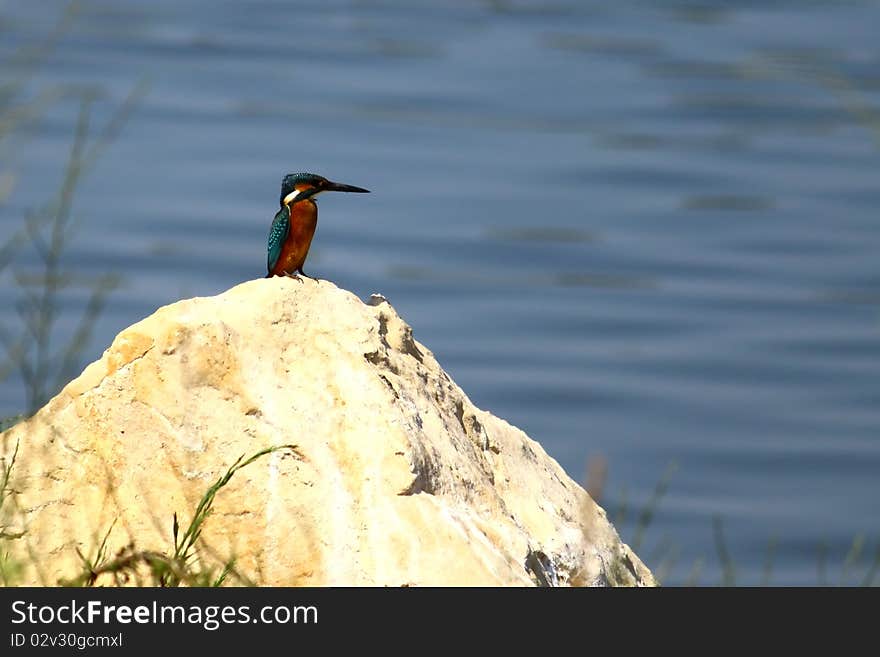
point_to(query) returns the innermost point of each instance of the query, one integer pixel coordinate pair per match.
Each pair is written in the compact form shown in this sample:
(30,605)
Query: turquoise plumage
(277,235)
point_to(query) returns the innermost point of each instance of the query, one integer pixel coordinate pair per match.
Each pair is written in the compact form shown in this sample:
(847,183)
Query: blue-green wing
(277,235)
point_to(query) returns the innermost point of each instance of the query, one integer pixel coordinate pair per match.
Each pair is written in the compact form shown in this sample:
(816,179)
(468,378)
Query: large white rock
(396,479)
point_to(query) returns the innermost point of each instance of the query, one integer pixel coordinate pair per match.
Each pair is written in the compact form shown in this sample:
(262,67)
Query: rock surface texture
(396,478)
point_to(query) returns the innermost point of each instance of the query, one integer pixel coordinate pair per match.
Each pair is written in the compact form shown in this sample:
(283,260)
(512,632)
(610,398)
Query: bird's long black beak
(339,187)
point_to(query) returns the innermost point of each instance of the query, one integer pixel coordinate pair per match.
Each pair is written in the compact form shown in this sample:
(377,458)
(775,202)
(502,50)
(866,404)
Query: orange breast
(303,221)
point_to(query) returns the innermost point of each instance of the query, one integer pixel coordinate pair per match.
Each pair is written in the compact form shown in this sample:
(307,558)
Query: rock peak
(396,479)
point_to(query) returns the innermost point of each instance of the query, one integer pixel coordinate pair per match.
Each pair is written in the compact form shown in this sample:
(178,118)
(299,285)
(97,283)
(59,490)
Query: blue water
(644,232)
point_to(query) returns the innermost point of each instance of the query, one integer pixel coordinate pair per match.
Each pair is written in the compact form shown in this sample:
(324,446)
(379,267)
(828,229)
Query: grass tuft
(180,567)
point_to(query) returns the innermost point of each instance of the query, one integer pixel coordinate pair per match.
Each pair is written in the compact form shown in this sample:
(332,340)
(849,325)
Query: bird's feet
(299,275)
(295,277)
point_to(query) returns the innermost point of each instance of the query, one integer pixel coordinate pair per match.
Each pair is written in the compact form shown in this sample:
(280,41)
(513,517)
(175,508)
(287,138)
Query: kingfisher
(294,225)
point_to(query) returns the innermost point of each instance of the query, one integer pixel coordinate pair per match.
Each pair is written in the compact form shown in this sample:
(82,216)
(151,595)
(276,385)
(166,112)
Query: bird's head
(300,186)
